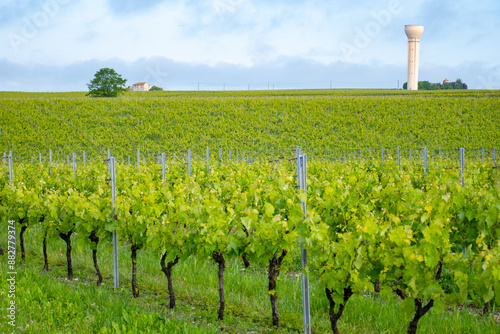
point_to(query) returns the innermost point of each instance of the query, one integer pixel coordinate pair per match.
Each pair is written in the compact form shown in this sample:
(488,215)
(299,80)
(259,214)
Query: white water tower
(413,32)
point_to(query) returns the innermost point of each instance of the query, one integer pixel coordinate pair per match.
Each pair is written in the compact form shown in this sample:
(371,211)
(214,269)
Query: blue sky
(58,45)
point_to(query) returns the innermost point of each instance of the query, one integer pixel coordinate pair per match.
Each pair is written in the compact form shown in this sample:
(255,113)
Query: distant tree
(106,83)
(458,84)
(424,85)
(156,88)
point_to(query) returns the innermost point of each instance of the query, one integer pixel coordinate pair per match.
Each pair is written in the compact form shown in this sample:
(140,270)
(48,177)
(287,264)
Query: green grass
(49,303)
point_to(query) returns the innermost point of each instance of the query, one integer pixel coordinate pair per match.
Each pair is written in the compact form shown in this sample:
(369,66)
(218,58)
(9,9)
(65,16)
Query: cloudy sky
(58,45)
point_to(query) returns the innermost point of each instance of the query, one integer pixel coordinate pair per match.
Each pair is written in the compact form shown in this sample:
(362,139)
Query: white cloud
(248,33)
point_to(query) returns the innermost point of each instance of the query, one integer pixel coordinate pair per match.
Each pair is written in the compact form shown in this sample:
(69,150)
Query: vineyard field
(259,123)
(424,237)
(209,202)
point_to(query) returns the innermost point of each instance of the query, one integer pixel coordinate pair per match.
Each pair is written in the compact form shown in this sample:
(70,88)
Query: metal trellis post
(301,161)
(462,166)
(74,163)
(50,162)
(163,166)
(138,158)
(115,239)
(424,153)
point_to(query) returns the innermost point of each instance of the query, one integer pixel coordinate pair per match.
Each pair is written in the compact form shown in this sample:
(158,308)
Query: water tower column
(413,32)
(412,64)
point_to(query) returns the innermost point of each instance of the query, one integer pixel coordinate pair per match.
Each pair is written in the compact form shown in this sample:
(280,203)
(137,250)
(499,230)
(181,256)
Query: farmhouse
(140,87)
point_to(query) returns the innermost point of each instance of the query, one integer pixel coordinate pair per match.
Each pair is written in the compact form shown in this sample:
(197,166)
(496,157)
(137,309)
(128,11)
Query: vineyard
(212,183)
(266,125)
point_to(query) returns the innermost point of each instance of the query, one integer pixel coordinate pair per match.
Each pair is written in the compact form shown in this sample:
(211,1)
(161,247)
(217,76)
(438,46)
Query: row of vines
(385,231)
(263,125)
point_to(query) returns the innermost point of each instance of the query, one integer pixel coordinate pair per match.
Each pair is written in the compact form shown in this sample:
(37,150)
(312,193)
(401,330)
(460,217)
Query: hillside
(261,123)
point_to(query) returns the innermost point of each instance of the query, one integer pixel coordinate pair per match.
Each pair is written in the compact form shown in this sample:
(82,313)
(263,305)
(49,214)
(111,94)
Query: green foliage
(106,83)
(426,85)
(268,126)
(364,221)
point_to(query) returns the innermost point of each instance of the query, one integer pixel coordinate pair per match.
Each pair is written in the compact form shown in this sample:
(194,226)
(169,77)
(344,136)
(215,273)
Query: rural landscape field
(396,201)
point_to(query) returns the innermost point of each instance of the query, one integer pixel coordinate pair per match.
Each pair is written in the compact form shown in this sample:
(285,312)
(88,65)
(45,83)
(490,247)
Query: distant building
(446,81)
(140,87)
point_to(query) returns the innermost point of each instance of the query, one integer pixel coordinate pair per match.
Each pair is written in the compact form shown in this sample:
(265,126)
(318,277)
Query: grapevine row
(265,125)
(386,231)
